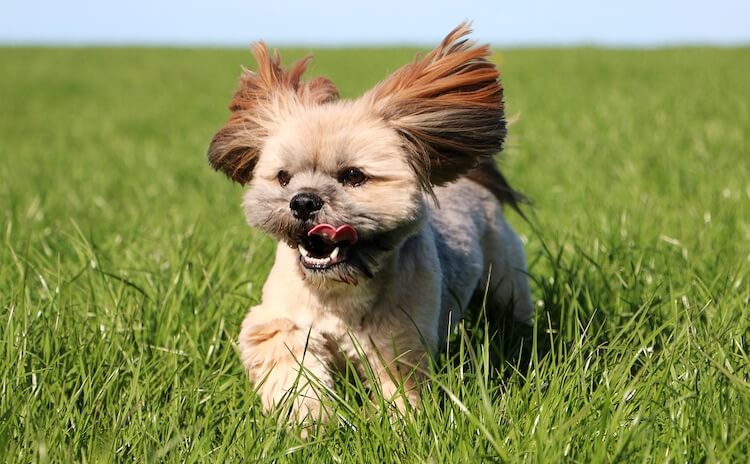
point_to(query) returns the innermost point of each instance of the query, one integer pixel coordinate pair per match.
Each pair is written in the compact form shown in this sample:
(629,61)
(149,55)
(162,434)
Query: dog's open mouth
(325,246)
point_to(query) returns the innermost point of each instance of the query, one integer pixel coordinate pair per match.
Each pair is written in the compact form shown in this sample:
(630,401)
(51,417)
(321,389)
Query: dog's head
(345,181)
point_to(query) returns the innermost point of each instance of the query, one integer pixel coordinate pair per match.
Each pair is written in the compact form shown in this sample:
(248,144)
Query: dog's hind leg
(508,291)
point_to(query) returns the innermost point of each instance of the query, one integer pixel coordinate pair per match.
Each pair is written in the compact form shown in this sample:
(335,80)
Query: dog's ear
(447,107)
(259,102)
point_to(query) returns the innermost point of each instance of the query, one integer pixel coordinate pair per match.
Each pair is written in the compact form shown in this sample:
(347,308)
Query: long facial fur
(313,146)
(427,124)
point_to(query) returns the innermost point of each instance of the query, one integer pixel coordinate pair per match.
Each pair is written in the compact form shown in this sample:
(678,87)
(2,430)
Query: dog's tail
(489,176)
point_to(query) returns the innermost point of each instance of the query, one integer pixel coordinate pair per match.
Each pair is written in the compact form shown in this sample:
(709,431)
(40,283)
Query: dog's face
(344,182)
(337,165)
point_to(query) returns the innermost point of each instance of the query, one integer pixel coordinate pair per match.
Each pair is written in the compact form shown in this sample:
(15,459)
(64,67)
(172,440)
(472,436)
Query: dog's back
(478,250)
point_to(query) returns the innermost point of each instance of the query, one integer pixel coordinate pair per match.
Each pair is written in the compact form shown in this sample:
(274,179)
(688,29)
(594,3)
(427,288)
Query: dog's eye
(352,176)
(283,178)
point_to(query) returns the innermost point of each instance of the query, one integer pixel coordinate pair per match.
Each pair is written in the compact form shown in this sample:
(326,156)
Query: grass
(126,267)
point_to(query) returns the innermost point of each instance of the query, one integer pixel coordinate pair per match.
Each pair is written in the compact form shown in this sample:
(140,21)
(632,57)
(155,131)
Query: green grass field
(126,267)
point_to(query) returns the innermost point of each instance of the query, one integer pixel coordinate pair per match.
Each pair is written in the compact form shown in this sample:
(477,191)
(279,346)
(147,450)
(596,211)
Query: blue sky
(337,22)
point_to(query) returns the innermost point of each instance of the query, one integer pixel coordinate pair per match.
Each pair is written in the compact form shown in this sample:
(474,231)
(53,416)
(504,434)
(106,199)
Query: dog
(388,210)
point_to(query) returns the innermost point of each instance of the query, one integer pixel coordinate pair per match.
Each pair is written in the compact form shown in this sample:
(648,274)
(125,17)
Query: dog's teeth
(313,261)
(303,251)
(317,261)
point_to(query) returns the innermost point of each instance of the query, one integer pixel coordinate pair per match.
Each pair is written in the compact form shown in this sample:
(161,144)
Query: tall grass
(126,268)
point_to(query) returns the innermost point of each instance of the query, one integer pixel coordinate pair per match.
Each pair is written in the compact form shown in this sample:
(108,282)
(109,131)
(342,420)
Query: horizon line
(521,44)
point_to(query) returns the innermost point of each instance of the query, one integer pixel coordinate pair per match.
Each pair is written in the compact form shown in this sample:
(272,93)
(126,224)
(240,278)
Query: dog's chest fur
(427,283)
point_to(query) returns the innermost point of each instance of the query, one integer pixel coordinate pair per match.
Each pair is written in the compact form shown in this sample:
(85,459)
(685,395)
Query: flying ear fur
(235,148)
(448,108)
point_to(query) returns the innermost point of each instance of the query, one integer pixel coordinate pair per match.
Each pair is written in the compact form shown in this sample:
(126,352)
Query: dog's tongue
(343,233)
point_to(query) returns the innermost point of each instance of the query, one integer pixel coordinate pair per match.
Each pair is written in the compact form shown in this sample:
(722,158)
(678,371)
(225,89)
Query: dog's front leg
(285,362)
(399,368)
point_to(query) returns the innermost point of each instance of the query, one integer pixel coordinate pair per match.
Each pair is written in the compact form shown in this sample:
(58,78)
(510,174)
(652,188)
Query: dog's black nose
(303,205)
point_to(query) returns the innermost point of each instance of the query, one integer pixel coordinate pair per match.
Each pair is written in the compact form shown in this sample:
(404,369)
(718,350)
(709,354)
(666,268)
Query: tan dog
(390,205)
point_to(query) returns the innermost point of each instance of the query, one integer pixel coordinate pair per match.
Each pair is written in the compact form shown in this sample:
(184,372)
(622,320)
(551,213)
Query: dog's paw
(255,334)
(401,398)
(288,365)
